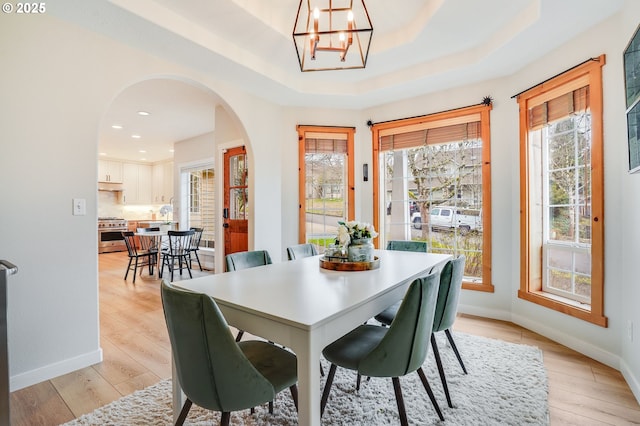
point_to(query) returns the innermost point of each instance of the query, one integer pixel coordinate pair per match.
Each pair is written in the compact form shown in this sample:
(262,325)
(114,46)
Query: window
(562,193)
(432,174)
(200,199)
(326,182)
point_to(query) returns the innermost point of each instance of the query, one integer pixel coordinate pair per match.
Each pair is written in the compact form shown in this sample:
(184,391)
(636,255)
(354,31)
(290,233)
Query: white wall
(60,81)
(627,214)
(57,82)
(608,345)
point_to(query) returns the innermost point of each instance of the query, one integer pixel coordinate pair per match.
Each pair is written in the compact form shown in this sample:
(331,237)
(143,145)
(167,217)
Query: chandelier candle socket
(332,35)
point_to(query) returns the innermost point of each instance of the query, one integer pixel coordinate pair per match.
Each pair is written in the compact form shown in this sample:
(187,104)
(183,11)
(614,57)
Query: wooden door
(236,197)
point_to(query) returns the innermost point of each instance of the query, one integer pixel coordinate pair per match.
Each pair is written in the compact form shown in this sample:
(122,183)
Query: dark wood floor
(137,354)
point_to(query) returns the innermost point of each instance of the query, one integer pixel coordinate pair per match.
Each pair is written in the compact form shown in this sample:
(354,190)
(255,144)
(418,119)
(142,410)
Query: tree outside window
(562,202)
(434,186)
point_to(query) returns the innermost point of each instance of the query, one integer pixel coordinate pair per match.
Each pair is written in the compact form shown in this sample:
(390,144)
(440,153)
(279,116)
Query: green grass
(328,207)
(322,242)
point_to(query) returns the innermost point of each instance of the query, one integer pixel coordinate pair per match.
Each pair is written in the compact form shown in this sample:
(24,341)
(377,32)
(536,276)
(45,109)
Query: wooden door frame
(240,150)
(302,130)
(219,166)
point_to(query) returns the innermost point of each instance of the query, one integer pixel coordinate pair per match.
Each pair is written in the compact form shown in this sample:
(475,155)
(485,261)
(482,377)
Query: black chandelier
(332,35)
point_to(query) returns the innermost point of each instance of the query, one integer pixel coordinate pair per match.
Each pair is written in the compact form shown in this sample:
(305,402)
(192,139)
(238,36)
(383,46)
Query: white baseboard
(632,381)
(484,312)
(23,380)
(599,354)
(565,339)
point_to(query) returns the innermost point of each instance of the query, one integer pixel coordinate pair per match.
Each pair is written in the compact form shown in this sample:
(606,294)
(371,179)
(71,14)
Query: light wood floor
(137,354)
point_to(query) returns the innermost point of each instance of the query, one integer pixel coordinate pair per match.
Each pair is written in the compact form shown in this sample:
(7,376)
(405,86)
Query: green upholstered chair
(216,372)
(243,260)
(400,245)
(446,311)
(301,250)
(445,314)
(394,351)
(247,259)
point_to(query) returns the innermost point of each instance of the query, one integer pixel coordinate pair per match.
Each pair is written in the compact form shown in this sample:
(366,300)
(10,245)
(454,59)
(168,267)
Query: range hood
(110,187)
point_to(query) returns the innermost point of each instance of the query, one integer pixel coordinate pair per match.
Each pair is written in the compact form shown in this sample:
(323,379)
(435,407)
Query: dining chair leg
(294,395)
(327,388)
(188,269)
(198,259)
(436,354)
(455,349)
(183,413)
(224,418)
(400,401)
(239,336)
(162,260)
(270,407)
(358,379)
(425,383)
(135,270)
(128,268)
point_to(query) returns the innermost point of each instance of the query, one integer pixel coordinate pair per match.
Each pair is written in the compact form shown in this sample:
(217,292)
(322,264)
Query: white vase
(360,250)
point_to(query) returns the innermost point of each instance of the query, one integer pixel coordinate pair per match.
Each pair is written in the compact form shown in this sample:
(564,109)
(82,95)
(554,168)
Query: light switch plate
(79,206)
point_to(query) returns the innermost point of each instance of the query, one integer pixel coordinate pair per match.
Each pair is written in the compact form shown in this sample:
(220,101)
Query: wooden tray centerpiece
(353,248)
(341,264)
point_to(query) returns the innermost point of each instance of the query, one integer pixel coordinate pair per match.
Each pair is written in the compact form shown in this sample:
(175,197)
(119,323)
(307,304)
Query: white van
(449,218)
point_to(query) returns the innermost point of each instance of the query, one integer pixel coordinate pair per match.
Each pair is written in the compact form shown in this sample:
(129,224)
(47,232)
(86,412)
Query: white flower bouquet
(165,210)
(353,231)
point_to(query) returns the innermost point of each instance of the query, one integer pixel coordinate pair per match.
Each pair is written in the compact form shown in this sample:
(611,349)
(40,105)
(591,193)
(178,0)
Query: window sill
(477,287)
(563,305)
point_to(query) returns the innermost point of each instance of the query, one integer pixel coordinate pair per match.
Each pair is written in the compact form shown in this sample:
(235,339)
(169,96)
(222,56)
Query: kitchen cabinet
(162,182)
(110,171)
(136,183)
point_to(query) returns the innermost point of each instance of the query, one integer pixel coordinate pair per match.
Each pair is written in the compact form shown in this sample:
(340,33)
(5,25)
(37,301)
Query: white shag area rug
(506,385)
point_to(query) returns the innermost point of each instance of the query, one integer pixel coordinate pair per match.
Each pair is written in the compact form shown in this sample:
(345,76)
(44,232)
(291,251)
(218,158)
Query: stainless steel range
(110,234)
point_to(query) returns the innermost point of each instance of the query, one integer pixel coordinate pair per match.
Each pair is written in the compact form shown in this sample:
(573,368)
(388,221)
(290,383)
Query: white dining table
(304,307)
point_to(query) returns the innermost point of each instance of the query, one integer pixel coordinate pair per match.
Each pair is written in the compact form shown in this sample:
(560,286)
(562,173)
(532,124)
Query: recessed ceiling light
(103,153)
(171,150)
(143,113)
(136,136)
(116,126)
(142,151)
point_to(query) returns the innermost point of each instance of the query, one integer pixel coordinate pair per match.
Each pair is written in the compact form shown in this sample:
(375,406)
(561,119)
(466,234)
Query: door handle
(225,213)
(225,225)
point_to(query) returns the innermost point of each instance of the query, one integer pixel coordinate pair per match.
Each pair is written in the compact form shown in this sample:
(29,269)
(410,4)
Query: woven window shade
(325,146)
(559,108)
(437,135)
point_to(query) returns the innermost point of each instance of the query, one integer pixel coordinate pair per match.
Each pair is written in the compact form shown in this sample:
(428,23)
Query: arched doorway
(165,128)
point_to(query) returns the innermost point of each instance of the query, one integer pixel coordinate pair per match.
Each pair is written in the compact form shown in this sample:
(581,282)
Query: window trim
(302,131)
(588,73)
(425,121)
